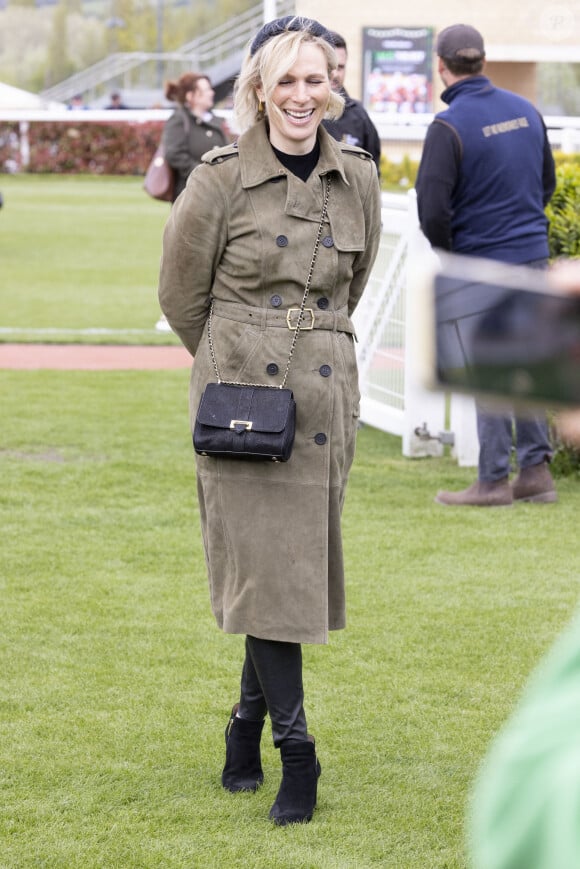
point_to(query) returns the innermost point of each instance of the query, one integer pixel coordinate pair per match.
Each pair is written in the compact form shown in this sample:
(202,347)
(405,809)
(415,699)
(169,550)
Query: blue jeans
(497,434)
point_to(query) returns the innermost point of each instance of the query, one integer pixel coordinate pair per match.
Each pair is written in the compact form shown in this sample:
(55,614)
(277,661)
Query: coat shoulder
(219,155)
(354,151)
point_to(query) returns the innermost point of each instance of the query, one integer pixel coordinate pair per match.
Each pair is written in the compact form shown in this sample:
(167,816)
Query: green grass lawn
(116,684)
(79,255)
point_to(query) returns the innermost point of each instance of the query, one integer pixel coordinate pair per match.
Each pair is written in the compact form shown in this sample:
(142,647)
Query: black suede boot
(243,769)
(297,795)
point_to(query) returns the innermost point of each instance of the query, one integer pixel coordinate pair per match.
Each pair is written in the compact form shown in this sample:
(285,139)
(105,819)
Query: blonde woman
(243,234)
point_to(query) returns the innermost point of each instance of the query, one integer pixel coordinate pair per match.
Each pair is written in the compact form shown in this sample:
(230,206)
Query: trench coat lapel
(258,165)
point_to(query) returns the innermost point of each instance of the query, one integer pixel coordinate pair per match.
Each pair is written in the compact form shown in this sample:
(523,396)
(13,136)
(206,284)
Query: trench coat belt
(332,321)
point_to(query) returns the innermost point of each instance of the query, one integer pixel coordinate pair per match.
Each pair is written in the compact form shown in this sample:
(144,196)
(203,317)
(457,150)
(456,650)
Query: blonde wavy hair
(268,66)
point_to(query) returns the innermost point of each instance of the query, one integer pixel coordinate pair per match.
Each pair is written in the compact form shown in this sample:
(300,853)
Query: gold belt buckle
(303,327)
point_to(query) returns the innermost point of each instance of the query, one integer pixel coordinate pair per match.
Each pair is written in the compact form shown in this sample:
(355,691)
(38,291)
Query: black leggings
(272,682)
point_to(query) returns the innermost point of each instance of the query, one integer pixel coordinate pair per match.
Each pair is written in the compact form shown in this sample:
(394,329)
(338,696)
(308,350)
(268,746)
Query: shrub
(563,212)
(566,457)
(560,158)
(9,147)
(73,147)
(398,175)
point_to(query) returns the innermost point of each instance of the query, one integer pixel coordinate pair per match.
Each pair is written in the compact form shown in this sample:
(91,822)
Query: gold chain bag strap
(252,420)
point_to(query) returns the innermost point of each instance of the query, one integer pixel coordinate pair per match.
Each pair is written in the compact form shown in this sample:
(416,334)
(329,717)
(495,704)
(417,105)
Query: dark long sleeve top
(356,128)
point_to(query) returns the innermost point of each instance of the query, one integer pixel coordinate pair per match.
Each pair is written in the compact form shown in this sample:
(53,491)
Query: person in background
(189,132)
(354,125)
(192,129)
(485,176)
(524,806)
(242,234)
(116,101)
(77,103)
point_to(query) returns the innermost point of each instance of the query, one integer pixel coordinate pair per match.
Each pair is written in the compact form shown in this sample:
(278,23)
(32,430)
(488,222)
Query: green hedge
(69,147)
(563,212)
(398,176)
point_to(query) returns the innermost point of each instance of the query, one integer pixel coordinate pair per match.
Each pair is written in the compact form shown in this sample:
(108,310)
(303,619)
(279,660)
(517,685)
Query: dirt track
(85,357)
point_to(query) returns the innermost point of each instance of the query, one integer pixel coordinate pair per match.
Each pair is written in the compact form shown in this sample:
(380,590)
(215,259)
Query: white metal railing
(392,397)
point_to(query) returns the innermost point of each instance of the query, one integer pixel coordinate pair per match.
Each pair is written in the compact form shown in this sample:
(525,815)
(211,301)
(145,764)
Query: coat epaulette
(218,155)
(355,151)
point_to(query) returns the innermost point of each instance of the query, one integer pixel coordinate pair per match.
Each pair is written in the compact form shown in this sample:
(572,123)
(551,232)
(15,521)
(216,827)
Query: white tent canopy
(15,98)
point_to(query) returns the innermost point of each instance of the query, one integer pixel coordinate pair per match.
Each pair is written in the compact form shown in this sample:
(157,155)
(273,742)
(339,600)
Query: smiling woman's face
(299,102)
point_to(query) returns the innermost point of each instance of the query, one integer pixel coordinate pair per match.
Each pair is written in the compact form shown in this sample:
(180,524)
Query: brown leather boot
(536,484)
(479,494)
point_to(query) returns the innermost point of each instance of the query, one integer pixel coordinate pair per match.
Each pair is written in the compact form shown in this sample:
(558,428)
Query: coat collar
(472,84)
(258,162)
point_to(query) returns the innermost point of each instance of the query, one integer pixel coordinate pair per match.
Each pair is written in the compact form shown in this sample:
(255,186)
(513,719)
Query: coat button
(325,370)
(328,241)
(276,300)
(272,368)
(282,241)
(320,439)
(323,303)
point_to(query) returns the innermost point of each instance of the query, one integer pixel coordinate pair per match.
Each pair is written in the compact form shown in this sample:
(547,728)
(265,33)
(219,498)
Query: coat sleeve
(372,214)
(436,179)
(176,141)
(193,242)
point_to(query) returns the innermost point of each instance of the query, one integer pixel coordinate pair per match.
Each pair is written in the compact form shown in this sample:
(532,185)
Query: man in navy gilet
(485,176)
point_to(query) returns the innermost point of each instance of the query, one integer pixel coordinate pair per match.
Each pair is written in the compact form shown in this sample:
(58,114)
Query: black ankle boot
(243,769)
(297,795)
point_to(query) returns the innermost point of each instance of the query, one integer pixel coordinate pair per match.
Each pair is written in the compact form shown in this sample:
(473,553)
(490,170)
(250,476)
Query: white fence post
(463,422)
(424,411)
(569,140)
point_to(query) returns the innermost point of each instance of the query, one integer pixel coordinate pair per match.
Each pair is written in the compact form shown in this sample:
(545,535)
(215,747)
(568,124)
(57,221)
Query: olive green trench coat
(243,232)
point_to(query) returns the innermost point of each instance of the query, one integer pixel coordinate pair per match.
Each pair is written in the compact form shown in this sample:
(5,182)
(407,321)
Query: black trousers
(272,683)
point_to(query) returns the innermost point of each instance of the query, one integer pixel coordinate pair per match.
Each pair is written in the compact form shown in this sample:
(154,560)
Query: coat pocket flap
(245,408)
